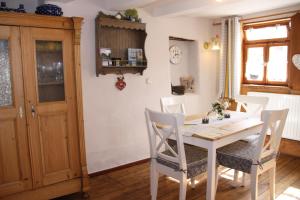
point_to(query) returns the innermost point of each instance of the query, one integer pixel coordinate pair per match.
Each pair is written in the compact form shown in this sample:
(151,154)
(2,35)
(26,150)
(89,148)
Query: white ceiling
(197,8)
(212,8)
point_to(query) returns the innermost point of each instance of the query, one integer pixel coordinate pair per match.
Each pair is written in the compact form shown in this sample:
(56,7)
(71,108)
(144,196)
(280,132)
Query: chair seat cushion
(239,156)
(251,138)
(196,159)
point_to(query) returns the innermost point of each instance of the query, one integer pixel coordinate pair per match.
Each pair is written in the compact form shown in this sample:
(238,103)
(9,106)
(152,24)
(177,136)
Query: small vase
(220,115)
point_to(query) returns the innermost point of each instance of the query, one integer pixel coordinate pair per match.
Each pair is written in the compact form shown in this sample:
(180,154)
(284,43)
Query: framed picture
(105,54)
(135,56)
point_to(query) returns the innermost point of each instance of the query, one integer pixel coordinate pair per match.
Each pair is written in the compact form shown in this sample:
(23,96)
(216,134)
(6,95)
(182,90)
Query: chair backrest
(274,121)
(172,104)
(252,104)
(160,127)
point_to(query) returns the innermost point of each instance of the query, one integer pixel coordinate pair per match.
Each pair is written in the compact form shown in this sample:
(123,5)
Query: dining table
(218,133)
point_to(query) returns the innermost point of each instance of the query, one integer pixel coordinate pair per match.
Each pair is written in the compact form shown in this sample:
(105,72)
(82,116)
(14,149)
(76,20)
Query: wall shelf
(118,36)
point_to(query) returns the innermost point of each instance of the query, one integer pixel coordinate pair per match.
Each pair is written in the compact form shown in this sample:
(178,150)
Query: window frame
(266,44)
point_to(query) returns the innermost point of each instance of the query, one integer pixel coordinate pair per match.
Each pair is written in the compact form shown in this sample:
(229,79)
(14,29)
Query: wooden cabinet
(41,126)
(15,172)
(121,38)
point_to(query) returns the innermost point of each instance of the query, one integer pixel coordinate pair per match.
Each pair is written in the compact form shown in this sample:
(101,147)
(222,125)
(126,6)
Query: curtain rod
(264,16)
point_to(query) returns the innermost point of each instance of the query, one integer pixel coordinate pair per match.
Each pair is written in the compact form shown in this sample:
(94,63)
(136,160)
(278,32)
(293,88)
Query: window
(265,53)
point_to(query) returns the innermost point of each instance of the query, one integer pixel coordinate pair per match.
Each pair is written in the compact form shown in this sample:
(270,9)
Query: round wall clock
(175,54)
(296,60)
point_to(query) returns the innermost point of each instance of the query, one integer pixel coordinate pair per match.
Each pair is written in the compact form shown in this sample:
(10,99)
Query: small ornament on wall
(296,61)
(120,84)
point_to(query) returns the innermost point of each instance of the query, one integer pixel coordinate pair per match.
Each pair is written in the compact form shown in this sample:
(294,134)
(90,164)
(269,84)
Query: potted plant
(131,14)
(219,106)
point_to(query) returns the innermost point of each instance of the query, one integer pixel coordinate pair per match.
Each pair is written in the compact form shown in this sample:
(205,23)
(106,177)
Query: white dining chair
(253,105)
(181,161)
(258,156)
(172,104)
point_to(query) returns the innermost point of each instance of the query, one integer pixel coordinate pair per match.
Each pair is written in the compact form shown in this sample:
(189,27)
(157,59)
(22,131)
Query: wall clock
(296,60)
(175,54)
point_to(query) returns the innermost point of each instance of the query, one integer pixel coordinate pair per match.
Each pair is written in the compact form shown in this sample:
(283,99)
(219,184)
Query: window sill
(245,88)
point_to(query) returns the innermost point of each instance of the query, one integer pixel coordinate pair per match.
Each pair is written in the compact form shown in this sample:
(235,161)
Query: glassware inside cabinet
(50,70)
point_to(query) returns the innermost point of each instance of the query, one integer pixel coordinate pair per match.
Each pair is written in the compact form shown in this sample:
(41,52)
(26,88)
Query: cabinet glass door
(15,174)
(50,70)
(51,103)
(5,79)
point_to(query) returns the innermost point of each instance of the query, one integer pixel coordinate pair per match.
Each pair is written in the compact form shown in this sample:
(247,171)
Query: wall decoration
(132,15)
(175,54)
(135,56)
(120,84)
(49,9)
(213,44)
(119,16)
(188,83)
(126,57)
(296,61)
(105,54)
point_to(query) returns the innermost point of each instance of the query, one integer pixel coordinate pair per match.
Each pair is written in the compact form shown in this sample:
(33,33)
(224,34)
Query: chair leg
(183,185)
(193,182)
(254,184)
(244,179)
(154,181)
(272,172)
(236,178)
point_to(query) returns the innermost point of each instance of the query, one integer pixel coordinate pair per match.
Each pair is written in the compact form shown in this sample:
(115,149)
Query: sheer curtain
(230,58)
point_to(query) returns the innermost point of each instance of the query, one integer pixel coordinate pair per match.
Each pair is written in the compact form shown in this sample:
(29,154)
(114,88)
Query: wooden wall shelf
(116,23)
(119,36)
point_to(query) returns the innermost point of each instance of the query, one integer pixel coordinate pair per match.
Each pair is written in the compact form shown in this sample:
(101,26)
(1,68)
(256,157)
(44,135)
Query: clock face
(175,54)
(296,60)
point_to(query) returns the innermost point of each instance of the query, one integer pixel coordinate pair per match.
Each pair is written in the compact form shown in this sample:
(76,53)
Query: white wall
(29,5)
(115,130)
(187,63)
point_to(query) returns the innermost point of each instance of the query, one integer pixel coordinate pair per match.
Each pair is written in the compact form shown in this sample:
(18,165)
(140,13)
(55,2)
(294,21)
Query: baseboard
(119,167)
(288,147)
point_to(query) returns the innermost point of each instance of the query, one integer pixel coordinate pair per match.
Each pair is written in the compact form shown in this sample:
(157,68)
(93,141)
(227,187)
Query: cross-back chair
(172,104)
(179,161)
(258,156)
(253,105)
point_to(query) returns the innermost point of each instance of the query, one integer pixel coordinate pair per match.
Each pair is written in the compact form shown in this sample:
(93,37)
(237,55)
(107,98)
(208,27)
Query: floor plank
(133,184)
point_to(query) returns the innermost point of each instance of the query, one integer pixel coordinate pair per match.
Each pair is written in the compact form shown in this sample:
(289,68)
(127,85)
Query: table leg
(211,174)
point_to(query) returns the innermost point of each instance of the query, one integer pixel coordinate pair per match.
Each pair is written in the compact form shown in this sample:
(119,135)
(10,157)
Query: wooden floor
(133,184)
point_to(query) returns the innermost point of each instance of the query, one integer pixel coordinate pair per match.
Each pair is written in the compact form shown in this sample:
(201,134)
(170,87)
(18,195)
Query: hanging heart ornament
(120,84)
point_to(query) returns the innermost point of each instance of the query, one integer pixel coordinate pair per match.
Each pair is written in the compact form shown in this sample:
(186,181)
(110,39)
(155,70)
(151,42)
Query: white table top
(217,129)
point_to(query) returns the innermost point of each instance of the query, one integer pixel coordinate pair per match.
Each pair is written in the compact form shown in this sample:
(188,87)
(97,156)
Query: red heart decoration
(120,84)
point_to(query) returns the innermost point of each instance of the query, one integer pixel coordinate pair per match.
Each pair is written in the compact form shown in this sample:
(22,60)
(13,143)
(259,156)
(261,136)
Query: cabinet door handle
(33,111)
(21,112)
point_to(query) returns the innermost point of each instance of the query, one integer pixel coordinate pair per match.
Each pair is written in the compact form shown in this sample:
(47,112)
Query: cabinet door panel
(50,99)
(15,174)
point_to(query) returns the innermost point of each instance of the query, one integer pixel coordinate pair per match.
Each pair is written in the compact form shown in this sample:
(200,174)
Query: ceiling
(196,8)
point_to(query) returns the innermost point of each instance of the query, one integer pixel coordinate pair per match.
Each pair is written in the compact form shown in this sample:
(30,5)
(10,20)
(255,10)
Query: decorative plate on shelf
(49,9)
(175,54)
(296,60)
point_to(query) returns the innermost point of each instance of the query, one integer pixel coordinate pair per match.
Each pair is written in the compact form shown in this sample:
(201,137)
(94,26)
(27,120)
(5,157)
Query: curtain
(230,58)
